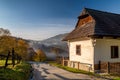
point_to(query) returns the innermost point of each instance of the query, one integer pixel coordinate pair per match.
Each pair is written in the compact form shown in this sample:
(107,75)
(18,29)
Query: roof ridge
(104,24)
(87,9)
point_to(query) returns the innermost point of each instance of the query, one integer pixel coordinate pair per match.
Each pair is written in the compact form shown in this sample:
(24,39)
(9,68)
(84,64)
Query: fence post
(6,63)
(108,67)
(13,57)
(68,63)
(99,65)
(63,61)
(17,58)
(78,65)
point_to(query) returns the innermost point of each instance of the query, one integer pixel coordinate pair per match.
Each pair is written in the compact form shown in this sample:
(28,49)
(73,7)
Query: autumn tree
(40,55)
(31,53)
(22,49)
(7,43)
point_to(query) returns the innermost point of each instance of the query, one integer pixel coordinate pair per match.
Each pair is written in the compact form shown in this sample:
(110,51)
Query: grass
(117,79)
(116,76)
(81,71)
(2,62)
(71,69)
(19,72)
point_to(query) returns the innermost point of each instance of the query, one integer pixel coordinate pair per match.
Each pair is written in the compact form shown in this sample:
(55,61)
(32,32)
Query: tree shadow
(63,78)
(37,75)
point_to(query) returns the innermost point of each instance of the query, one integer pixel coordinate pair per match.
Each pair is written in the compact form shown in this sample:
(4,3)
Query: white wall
(103,52)
(87,51)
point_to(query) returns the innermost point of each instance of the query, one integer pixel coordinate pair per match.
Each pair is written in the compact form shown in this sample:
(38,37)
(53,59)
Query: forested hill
(52,46)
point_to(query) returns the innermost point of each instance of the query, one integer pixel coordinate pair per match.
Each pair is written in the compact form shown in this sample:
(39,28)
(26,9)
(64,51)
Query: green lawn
(71,69)
(19,72)
(117,79)
(2,62)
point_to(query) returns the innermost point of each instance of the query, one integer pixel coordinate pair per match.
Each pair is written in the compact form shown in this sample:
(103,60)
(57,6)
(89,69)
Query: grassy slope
(71,69)
(2,62)
(80,71)
(19,72)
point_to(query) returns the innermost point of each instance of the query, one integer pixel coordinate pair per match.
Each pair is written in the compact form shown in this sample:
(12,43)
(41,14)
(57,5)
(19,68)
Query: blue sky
(41,19)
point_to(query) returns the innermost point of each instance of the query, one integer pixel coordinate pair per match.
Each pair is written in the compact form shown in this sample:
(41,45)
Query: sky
(41,19)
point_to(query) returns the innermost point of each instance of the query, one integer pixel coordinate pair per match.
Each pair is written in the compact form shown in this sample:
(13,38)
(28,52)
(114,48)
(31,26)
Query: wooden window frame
(78,49)
(114,52)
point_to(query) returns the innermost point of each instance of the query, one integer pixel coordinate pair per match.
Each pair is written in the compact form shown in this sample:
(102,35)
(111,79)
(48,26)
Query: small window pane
(78,49)
(114,52)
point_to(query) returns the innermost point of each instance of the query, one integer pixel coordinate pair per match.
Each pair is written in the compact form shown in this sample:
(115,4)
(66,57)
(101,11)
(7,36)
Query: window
(114,52)
(78,49)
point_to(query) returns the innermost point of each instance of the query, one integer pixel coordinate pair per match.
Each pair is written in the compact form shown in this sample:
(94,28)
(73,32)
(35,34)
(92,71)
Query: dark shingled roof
(106,24)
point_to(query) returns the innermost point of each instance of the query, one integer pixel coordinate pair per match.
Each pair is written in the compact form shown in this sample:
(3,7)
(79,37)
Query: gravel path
(43,71)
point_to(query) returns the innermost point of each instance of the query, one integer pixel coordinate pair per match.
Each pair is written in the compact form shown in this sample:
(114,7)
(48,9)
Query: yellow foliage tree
(22,49)
(6,44)
(19,45)
(40,55)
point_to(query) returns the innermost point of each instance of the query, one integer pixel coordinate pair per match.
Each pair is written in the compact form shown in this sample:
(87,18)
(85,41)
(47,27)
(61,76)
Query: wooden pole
(6,63)
(13,57)
(63,61)
(99,66)
(78,65)
(108,67)
(17,58)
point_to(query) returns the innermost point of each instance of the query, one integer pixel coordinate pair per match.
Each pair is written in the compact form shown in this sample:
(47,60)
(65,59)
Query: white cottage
(96,37)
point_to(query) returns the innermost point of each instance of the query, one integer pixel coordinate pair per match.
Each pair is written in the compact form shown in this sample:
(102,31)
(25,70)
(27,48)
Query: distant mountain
(56,41)
(53,46)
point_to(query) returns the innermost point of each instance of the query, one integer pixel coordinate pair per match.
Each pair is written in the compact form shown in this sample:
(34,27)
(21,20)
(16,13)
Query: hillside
(52,46)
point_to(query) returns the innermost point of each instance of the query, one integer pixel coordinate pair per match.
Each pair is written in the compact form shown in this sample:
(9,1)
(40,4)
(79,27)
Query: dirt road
(43,71)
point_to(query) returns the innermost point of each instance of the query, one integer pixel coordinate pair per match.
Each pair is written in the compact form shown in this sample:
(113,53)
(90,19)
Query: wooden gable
(84,19)
(92,23)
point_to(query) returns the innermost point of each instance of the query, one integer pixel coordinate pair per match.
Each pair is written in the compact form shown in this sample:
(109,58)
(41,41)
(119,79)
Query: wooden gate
(103,66)
(110,67)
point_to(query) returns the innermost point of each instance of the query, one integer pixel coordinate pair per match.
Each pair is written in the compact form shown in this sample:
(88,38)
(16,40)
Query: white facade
(103,50)
(93,51)
(87,51)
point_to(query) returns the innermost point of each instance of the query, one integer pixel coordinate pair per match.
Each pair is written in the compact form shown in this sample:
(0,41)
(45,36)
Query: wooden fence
(104,67)
(74,64)
(10,56)
(63,60)
(109,67)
